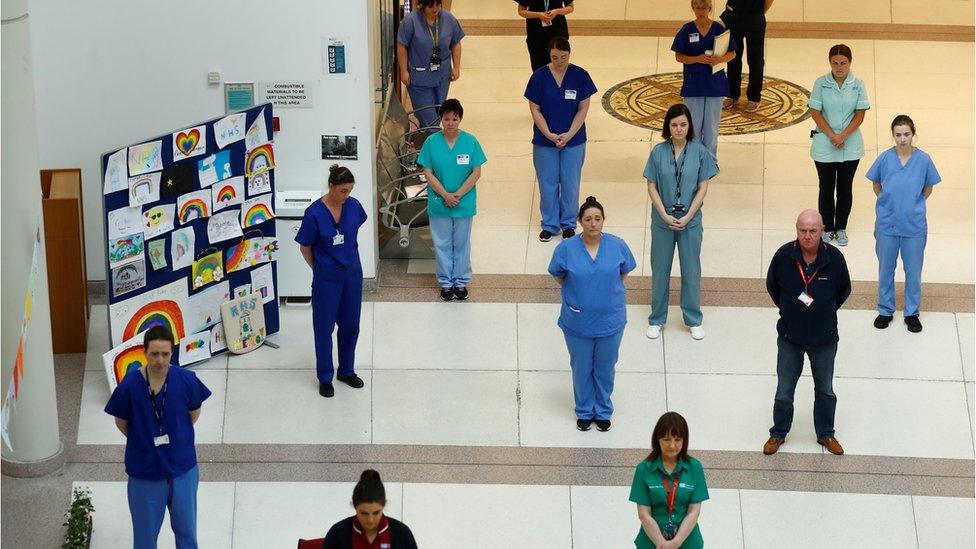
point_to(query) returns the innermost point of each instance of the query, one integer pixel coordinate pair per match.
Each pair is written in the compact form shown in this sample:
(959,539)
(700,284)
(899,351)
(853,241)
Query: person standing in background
(746,20)
(544,20)
(428,53)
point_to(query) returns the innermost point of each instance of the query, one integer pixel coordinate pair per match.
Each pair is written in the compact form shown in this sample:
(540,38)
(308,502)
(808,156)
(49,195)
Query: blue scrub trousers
(425,96)
(592,360)
(148,501)
(452,250)
(336,302)
(706,115)
(912,251)
(663,242)
(558,171)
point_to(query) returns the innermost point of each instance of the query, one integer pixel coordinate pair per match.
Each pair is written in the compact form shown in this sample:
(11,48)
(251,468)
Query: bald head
(808,217)
(809,230)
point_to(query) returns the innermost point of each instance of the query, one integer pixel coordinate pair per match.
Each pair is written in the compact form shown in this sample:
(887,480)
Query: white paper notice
(262,280)
(257,134)
(224,226)
(116,173)
(229,129)
(124,221)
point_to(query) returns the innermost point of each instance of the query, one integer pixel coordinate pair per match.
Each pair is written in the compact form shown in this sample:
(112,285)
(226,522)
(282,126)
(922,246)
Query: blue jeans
(912,250)
(558,171)
(592,360)
(688,242)
(789,366)
(148,501)
(706,115)
(452,250)
(423,96)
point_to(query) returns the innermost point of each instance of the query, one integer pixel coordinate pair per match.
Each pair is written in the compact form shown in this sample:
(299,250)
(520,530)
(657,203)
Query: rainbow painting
(195,205)
(164,313)
(226,194)
(131,358)
(235,257)
(259,159)
(256,210)
(207,269)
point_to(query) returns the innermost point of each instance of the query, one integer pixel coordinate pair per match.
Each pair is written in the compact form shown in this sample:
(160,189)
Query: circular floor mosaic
(643,101)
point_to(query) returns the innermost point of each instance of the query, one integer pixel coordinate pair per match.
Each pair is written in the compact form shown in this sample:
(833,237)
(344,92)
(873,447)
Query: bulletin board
(189,224)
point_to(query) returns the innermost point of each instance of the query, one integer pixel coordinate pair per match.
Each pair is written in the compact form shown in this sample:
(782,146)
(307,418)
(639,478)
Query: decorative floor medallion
(643,101)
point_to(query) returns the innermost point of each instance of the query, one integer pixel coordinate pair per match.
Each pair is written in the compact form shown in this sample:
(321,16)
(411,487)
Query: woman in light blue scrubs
(429,57)
(591,269)
(903,178)
(452,161)
(677,173)
(559,97)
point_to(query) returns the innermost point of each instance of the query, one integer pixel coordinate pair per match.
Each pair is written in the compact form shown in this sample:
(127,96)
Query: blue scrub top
(452,166)
(697,165)
(417,36)
(594,298)
(130,401)
(698,78)
(900,208)
(559,103)
(331,262)
(838,105)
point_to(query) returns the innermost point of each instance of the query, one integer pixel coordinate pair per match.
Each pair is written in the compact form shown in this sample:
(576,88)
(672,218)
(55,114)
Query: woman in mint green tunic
(669,487)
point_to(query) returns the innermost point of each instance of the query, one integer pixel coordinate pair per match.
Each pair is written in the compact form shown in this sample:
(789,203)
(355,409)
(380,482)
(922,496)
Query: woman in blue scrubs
(677,173)
(701,90)
(327,238)
(429,57)
(559,97)
(591,269)
(452,161)
(903,178)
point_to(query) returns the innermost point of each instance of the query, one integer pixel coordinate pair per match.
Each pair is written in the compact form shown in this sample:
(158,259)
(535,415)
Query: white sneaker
(841,237)
(697,332)
(653,331)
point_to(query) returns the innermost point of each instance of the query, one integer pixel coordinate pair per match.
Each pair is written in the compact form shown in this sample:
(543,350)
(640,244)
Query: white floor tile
(733,207)
(464,336)
(798,519)
(500,250)
(445,407)
(966,329)
(737,341)
(725,253)
(970,399)
(540,519)
(926,57)
(603,517)
(720,521)
(944,522)
(284,407)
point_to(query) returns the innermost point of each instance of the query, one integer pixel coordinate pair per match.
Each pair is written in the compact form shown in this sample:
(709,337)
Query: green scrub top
(838,104)
(648,489)
(695,165)
(452,166)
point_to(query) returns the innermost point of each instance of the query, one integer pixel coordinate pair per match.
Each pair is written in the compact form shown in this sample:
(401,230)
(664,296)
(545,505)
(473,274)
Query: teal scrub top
(900,209)
(838,104)
(648,489)
(696,165)
(452,166)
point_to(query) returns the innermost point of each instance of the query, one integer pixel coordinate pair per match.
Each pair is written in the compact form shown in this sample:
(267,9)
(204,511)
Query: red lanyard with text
(806,280)
(671,493)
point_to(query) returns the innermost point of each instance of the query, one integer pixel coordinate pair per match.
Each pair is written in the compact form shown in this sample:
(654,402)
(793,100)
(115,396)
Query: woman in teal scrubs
(669,488)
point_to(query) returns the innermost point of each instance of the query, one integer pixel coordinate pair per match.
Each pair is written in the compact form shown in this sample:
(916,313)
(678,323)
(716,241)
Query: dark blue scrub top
(317,231)
(556,108)
(698,78)
(130,401)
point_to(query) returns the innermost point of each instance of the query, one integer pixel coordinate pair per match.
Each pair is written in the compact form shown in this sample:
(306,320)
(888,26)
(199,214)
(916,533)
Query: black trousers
(753,44)
(538,44)
(837,176)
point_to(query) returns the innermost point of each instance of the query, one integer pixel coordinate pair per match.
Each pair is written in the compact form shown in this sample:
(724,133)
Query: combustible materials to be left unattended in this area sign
(286,94)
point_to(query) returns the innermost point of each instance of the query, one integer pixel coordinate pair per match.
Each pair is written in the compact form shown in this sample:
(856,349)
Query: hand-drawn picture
(144,189)
(189,142)
(229,129)
(228,193)
(126,249)
(195,205)
(181,247)
(259,183)
(123,359)
(256,210)
(345,148)
(162,306)
(214,168)
(124,221)
(144,158)
(177,180)
(259,159)
(251,252)
(158,220)
(262,281)
(217,340)
(129,277)
(242,290)
(116,173)
(224,226)
(204,310)
(207,270)
(194,348)
(157,253)
(257,133)
(244,326)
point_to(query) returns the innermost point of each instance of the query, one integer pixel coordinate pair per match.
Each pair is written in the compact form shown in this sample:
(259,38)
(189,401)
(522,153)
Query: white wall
(109,74)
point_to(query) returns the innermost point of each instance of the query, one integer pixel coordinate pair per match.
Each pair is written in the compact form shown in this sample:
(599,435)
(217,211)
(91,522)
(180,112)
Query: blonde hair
(701,4)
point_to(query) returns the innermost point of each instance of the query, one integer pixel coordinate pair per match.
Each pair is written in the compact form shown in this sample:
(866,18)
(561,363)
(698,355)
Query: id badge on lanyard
(546,10)
(670,529)
(805,297)
(161,439)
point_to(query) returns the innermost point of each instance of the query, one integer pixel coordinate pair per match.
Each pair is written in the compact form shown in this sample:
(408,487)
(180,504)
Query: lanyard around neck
(435,32)
(158,411)
(678,169)
(671,491)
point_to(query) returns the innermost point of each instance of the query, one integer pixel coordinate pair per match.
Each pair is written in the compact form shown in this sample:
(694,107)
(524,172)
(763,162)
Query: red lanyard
(671,493)
(806,281)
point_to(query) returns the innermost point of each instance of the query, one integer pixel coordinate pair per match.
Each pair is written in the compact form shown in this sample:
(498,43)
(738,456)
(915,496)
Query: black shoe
(914,325)
(569,233)
(353,381)
(460,293)
(583,424)
(327,390)
(447,294)
(545,236)
(882,321)
(603,425)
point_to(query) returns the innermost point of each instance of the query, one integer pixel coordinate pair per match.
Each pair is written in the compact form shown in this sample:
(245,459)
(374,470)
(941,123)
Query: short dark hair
(671,423)
(560,43)
(369,489)
(840,49)
(676,110)
(590,202)
(340,175)
(158,333)
(450,105)
(428,3)
(903,120)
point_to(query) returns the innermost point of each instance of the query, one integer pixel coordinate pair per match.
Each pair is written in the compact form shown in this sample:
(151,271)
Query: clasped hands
(676,223)
(560,139)
(451,199)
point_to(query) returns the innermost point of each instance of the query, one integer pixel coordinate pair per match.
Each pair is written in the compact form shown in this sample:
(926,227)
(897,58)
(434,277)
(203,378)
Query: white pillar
(35,446)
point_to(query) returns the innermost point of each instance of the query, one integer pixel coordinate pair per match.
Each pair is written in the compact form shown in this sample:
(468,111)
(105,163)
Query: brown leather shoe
(772,445)
(832,446)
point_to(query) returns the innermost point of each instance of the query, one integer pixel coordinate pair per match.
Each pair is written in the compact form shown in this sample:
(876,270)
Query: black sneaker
(545,236)
(327,390)
(569,233)
(447,294)
(460,293)
(583,424)
(603,425)
(882,321)
(353,381)
(914,325)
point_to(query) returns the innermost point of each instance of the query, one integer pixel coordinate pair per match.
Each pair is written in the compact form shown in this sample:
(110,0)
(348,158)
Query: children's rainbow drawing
(194,344)
(257,213)
(187,141)
(226,194)
(194,208)
(132,358)
(235,257)
(260,159)
(164,313)
(207,269)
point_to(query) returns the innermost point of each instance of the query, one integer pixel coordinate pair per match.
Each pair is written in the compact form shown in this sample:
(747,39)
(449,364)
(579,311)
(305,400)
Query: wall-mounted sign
(334,55)
(286,94)
(238,96)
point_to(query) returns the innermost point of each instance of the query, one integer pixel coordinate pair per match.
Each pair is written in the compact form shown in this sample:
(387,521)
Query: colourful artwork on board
(204,310)
(229,129)
(195,348)
(214,168)
(189,142)
(125,249)
(165,313)
(124,359)
(228,193)
(158,220)
(207,270)
(256,210)
(146,157)
(195,205)
(161,306)
(259,160)
(259,183)
(144,189)
(181,249)
(224,226)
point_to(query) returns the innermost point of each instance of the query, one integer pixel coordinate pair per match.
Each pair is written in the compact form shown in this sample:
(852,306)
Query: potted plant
(79,521)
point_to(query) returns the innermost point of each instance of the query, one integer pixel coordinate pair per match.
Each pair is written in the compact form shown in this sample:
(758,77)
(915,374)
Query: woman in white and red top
(369,528)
